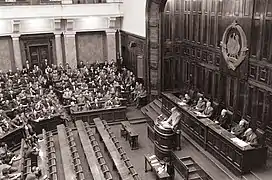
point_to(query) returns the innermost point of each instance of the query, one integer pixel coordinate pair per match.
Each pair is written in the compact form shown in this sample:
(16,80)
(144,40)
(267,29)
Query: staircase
(153,109)
(194,172)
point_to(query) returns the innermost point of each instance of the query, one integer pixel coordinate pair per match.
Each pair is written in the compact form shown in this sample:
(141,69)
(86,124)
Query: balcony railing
(52,2)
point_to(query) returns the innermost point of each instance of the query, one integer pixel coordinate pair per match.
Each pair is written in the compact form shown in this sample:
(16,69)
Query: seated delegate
(250,137)
(239,129)
(200,106)
(223,120)
(207,113)
(185,100)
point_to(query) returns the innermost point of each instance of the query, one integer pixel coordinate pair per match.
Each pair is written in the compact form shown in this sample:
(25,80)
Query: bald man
(250,137)
(223,120)
(173,120)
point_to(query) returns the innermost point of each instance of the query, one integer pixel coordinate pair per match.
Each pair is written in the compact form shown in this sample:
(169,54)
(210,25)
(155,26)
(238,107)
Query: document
(181,103)
(239,142)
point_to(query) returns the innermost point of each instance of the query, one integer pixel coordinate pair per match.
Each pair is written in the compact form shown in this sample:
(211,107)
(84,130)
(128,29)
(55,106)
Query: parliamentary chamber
(220,48)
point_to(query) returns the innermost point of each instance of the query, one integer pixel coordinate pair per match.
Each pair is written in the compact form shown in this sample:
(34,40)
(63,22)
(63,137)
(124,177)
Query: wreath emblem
(234,45)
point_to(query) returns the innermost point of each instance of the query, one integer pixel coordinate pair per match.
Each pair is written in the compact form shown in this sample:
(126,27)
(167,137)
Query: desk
(216,140)
(155,166)
(47,123)
(89,152)
(66,156)
(119,164)
(13,137)
(115,114)
(130,134)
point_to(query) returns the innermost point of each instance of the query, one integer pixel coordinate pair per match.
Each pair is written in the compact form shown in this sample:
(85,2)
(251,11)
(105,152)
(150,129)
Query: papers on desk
(197,113)
(239,142)
(152,157)
(181,103)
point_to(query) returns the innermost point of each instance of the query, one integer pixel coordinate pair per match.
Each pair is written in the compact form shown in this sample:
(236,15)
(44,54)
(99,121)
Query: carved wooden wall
(191,56)
(132,47)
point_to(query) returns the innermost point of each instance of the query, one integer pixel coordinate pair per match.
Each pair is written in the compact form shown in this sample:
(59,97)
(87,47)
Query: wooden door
(38,54)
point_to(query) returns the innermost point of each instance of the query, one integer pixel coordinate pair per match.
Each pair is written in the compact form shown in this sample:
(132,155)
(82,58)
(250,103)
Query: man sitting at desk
(186,99)
(223,120)
(172,121)
(239,129)
(108,104)
(74,107)
(207,112)
(200,106)
(250,137)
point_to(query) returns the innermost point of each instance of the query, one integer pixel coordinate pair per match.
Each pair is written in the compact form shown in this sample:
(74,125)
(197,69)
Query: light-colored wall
(90,47)
(6,57)
(134,17)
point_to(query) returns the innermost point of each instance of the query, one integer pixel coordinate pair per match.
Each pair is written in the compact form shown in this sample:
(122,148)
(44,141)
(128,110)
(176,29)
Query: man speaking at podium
(171,122)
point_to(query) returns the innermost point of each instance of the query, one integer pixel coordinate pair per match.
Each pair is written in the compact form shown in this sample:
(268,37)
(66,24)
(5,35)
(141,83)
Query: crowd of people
(203,109)
(36,93)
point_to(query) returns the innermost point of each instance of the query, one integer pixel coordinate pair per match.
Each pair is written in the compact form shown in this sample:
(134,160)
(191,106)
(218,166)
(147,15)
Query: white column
(17,51)
(111,44)
(70,49)
(58,49)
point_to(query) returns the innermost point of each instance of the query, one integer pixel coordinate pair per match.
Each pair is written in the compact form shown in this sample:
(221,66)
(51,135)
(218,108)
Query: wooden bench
(115,114)
(129,133)
(89,152)
(67,161)
(120,165)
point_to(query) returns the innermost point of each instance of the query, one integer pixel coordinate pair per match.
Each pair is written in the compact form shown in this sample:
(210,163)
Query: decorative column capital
(16,26)
(112,22)
(57,24)
(15,36)
(70,23)
(110,31)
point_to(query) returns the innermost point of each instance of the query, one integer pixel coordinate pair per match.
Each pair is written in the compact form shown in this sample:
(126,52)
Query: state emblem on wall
(234,45)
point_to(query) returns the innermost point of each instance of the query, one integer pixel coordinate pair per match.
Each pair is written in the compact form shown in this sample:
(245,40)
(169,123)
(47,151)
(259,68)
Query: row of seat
(21,162)
(98,153)
(121,151)
(51,155)
(75,156)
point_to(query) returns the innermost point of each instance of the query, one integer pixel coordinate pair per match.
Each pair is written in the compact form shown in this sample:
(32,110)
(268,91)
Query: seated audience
(239,129)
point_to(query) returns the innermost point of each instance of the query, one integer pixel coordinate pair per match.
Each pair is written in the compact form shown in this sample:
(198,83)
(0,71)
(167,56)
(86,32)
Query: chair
(261,137)
(108,176)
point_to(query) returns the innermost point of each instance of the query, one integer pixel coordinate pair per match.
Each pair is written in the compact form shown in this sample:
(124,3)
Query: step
(158,103)
(194,176)
(193,168)
(150,109)
(155,108)
(187,161)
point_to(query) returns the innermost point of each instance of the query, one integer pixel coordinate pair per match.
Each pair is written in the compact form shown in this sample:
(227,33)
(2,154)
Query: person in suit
(186,99)
(250,137)
(239,129)
(223,120)
(207,112)
(200,106)
(173,120)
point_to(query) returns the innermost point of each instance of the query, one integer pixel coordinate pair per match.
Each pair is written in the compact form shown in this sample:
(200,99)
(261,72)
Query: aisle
(84,163)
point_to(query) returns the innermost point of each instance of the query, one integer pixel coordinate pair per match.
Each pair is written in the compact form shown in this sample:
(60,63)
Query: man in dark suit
(239,129)
(250,137)
(207,113)
(223,120)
